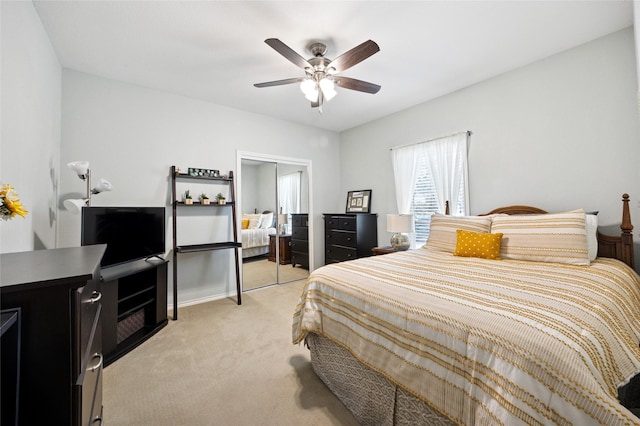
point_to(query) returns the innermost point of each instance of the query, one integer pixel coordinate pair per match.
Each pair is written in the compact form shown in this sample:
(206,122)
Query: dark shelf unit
(193,248)
(135,305)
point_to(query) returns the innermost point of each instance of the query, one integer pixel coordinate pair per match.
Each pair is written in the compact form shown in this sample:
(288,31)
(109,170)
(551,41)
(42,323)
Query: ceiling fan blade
(359,85)
(354,56)
(287,52)
(279,82)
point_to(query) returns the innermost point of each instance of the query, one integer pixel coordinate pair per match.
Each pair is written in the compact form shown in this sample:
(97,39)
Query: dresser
(300,240)
(349,236)
(58,296)
(285,248)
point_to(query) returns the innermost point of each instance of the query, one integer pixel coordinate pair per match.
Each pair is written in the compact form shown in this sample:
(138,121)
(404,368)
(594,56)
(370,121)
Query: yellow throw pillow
(245,223)
(475,244)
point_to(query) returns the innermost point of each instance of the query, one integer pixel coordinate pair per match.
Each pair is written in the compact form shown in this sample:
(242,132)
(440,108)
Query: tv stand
(134,305)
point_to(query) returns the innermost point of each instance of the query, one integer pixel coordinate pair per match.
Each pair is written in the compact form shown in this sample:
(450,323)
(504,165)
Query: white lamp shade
(282,218)
(328,89)
(310,89)
(74,205)
(307,85)
(400,223)
(80,167)
(102,186)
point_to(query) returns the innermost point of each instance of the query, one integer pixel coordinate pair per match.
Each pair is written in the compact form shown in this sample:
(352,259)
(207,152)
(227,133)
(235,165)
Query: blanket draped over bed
(486,341)
(256,237)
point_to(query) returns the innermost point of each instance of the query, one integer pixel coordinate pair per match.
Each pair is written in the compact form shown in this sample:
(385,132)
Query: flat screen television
(130,233)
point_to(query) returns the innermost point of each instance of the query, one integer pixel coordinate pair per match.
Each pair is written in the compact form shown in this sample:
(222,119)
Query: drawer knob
(95,297)
(98,365)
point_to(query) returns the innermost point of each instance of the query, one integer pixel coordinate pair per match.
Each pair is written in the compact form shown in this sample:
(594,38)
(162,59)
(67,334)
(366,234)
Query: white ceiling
(215,50)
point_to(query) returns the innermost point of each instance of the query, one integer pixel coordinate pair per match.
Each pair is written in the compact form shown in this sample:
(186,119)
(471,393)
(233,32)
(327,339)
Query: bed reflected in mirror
(273,195)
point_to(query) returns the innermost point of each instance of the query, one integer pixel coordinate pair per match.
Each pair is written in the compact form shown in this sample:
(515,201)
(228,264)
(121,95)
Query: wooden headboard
(615,246)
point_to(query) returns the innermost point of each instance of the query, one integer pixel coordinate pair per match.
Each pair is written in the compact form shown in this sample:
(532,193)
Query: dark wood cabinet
(300,240)
(284,248)
(349,236)
(58,294)
(135,305)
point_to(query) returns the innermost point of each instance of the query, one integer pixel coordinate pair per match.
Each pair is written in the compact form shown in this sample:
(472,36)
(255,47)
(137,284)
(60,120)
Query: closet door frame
(245,155)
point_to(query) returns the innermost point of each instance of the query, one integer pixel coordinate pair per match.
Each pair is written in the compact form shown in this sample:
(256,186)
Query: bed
(546,335)
(255,232)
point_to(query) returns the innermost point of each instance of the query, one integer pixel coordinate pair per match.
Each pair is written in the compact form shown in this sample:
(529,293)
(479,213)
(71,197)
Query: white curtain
(405,172)
(447,159)
(289,193)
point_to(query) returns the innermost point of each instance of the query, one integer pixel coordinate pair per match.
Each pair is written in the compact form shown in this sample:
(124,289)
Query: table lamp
(400,224)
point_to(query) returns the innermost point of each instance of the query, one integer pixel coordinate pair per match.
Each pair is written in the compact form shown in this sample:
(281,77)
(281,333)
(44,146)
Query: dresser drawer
(300,259)
(90,301)
(299,246)
(90,381)
(89,378)
(340,254)
(345,223)
(299,220)
(343,238)
(300,233)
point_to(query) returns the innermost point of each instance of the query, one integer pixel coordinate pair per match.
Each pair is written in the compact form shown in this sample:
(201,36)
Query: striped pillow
(442,232)
(554,237)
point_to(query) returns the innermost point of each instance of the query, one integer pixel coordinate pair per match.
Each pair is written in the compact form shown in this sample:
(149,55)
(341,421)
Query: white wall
(132,135)
(30,122)
(561,133)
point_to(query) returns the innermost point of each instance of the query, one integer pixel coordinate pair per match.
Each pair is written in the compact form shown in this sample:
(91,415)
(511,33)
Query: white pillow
(552,237)
(442,231)
(253,220)
(266,220)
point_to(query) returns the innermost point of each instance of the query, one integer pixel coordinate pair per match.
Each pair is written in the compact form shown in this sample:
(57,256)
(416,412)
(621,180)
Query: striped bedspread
(257,237)
(486,341)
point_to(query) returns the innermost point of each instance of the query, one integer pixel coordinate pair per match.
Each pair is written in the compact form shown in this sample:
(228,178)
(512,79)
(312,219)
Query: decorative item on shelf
(359,201)
(204,198)
(221,198)
(203,172)
(187,197)
(400,224)
(10,204)
(84,172)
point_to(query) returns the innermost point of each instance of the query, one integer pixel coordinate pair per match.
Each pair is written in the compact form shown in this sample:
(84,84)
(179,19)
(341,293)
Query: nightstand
(383,250)
(285,248)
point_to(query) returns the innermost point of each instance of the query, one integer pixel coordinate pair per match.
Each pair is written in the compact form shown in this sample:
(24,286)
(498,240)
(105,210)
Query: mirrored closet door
(274,200)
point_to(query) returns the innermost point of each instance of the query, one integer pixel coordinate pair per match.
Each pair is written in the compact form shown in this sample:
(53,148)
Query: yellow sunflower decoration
(10,204)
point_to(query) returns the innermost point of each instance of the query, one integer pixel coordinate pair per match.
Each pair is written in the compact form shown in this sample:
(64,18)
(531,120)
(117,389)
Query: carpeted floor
(223,364)
(259,272)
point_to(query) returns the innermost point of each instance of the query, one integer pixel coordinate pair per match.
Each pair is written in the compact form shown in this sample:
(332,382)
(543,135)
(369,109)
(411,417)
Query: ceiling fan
(320,72)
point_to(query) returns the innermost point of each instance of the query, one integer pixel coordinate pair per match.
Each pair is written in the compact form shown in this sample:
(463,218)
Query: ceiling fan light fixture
(310,89)
(312,96)
(328,88)
(318,84)
(307,86)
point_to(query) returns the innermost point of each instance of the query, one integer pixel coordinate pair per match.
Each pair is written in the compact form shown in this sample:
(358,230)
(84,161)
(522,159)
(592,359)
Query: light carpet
(261,272)
(223,364)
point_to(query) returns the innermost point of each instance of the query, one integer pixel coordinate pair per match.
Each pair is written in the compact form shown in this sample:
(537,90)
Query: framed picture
(359,201)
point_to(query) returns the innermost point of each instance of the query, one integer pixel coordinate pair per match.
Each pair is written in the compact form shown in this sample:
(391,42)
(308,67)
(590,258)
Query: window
(289,195)
(429,174)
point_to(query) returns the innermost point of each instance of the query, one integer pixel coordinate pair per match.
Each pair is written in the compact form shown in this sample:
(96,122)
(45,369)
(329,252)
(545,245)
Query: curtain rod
(468,132)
